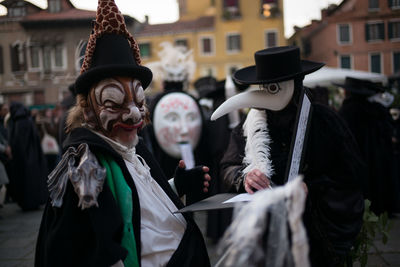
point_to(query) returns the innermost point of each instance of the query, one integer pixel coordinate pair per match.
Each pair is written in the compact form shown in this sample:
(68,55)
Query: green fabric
(123,196)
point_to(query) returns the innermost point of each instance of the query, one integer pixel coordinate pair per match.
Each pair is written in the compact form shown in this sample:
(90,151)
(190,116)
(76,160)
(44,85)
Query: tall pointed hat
(111,50)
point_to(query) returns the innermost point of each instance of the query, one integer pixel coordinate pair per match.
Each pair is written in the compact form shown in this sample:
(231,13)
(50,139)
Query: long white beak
(255,99)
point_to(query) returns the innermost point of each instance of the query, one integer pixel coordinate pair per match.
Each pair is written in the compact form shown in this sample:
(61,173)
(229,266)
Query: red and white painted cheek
(168,136)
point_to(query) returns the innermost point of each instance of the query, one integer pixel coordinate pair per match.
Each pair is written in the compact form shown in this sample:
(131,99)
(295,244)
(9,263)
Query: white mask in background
(176,119)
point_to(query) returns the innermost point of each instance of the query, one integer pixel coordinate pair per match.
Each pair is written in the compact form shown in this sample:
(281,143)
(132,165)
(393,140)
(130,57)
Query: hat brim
(86,80)
(248,75)
(356,90)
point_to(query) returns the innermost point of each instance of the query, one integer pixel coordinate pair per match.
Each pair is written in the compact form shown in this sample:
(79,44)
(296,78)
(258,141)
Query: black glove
(190,183)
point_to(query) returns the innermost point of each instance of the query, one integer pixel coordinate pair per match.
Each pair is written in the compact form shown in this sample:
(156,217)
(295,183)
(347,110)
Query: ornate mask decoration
(117,109)
(177,118)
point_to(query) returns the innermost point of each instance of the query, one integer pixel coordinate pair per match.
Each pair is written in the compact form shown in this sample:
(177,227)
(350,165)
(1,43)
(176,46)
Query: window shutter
(381,27)
(390,30)
(390,3)
(367,32)
(14,58)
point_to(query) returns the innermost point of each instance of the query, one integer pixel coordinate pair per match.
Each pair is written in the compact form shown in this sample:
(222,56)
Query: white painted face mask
(274,96)
(177,119)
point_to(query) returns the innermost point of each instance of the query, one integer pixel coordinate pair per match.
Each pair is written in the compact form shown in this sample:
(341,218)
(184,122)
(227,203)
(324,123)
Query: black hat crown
(111,50)
(275,65)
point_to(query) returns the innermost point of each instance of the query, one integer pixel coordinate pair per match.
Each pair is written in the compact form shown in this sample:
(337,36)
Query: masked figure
(372,126)
(259,149)
(176,131)
(110,203)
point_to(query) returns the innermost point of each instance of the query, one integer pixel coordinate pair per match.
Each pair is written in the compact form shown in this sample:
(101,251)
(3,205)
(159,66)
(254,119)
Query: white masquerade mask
(176,119)
(274,96)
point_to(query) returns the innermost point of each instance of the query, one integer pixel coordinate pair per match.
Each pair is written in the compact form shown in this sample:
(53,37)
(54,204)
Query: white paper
(187,155)
(240,198)
(299,141)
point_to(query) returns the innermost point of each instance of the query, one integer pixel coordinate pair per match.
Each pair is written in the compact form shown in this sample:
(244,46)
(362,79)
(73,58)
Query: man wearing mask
(258,153)
(110,204)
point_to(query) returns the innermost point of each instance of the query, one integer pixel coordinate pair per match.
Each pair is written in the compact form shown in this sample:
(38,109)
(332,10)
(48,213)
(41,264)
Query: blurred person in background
(28,168)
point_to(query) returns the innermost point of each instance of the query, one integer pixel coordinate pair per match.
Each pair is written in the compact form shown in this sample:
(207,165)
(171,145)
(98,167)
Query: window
(375,63)
(375,31)
(396,62)
(181,42)
(394,4)
(231,9)
(268,8)
(231,68)
(307,48)
(80,54)
(373,4)
(345,61)
(344,34)
(58,56)
(208,70)
(17,10)
(47,59)
(54,6)
(233,42)
(1,60)
(271,39)
(35,57)
(206,46)
(394,30)
(18,57)
(145,50)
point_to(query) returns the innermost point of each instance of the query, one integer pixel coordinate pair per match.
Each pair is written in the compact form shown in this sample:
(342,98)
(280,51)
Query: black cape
(332,171)
(69,236)
(371,125)
(27,168)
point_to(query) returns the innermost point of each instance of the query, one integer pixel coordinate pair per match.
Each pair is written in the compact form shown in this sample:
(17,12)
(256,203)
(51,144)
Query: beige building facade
(41,50)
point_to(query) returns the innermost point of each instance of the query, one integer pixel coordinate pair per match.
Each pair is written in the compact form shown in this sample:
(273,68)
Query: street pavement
(18,233)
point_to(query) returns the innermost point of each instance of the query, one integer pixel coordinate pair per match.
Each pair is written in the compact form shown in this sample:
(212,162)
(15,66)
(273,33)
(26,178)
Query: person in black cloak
(177,122)
(258,151)
(110,203)
(217,135)
(371,125)
(28,168)
(66,104)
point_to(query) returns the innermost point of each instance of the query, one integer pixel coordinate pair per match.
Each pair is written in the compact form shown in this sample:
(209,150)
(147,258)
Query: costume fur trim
(257,150)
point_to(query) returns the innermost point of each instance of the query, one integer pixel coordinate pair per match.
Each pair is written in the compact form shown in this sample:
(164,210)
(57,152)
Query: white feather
(257,150)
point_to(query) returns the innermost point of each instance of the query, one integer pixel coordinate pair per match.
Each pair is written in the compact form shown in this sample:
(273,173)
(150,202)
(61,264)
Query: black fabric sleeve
(231,164)
(334,173)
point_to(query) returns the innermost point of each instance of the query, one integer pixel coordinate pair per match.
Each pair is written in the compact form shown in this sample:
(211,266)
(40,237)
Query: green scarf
(123,196)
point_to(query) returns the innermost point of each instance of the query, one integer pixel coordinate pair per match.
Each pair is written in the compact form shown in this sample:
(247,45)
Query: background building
(223,34)
(41,50)
(356,34)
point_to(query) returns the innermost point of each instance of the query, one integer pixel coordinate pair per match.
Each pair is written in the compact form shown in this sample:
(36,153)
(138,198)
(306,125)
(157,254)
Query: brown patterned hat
(111,51)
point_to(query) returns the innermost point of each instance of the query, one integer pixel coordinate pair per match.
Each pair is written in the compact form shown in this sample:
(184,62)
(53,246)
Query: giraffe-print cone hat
(111,51)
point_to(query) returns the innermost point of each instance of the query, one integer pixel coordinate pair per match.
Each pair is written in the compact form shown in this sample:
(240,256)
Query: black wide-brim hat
(113,56)
(360,86)
(276,64)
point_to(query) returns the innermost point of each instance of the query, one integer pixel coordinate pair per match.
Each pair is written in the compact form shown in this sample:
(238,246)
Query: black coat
(70,236)
(371,125)
(332,171)
(27,168)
